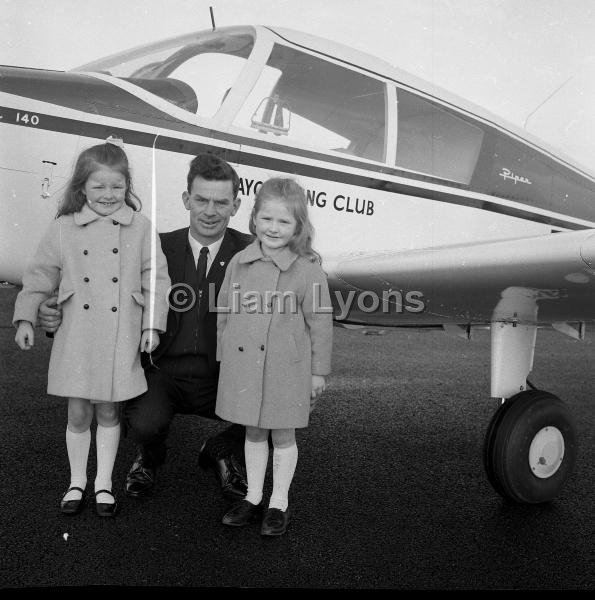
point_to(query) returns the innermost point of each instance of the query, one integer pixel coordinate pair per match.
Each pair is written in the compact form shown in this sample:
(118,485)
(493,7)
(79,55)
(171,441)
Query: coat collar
(123,215)
(283,259)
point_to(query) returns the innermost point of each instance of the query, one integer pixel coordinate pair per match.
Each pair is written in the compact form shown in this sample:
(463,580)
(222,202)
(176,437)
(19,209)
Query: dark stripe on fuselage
(242,157)
(265,162)
(74,127)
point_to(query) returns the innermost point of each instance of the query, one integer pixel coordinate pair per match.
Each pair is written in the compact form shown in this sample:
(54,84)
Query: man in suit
(182,374)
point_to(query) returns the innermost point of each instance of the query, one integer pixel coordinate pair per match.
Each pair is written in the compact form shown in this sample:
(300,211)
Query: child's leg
(285,455)
(78,440)
(256,450)
(107,440)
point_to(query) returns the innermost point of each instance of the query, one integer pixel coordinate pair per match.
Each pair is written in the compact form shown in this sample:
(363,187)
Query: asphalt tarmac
(389,491)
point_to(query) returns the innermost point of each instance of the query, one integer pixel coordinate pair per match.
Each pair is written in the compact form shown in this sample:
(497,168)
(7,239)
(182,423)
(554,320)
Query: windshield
(193,72)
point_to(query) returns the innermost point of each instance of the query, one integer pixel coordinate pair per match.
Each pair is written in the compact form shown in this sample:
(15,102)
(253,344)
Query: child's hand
(318,386)
(149,340)
(25,338)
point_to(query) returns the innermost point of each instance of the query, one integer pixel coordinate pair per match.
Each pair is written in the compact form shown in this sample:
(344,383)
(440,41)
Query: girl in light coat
(274,334)
(98,253)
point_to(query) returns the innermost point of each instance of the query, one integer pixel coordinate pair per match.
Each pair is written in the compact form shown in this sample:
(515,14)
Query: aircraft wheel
(530,447)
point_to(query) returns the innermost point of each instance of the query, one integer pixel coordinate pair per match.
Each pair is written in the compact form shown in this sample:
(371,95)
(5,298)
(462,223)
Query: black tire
(488,446)
(508,440)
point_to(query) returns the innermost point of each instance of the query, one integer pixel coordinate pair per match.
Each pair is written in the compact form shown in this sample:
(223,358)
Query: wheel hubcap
(546,452)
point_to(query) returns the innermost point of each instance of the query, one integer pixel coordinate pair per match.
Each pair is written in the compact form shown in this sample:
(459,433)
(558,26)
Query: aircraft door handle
(46,181)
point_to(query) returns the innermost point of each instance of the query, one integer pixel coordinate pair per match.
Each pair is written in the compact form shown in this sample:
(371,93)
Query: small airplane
(429,211)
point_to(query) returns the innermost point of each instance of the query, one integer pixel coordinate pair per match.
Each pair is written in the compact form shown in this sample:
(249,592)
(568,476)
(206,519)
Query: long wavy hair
(89,161)
(293,196)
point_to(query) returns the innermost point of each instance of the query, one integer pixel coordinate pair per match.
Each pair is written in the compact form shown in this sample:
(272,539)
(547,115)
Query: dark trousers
(148,417)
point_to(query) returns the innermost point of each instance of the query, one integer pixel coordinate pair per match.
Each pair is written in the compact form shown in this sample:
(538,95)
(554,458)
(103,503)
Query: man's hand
(49,315)
(25,338)
(149,340)
(318,386)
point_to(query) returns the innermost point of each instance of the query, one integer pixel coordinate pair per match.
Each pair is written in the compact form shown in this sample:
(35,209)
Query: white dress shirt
(213,249)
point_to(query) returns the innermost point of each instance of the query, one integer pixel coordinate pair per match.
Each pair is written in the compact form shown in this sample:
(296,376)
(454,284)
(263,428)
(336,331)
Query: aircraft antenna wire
(544,101)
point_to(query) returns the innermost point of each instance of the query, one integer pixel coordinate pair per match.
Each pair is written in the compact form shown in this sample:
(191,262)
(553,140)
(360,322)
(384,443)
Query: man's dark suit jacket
(173,244)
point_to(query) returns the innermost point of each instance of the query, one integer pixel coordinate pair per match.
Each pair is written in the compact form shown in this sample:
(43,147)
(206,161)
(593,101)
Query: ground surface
(389,492)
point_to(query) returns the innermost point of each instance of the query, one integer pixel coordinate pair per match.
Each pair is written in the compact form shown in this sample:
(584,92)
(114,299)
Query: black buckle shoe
(106,509)
(230,474)
(242,513)
(72,507)
(275,522)
(141,477)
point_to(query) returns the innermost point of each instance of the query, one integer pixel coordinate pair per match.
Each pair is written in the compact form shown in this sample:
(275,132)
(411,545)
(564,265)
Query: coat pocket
(63,295)
(138,298)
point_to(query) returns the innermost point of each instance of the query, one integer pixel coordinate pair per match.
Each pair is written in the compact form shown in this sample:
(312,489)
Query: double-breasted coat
(102,268)
(268,355)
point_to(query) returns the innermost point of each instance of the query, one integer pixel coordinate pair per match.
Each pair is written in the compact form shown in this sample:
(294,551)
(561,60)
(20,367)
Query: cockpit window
(315,102)
(194,74)
(435,141)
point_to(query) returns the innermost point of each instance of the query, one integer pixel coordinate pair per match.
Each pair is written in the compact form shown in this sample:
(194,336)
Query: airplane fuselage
(435,174)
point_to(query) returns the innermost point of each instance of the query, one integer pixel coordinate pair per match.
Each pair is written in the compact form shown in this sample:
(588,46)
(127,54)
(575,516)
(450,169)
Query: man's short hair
(212,168)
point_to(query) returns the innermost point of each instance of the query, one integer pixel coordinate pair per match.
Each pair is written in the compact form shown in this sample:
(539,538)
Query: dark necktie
(201,265)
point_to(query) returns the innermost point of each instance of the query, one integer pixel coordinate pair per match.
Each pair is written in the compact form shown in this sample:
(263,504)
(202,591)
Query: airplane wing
(541,280)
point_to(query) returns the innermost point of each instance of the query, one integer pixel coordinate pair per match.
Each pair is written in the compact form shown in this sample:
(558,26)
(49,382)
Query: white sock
(284,462)
(107,440)
(257,457)
(77,446)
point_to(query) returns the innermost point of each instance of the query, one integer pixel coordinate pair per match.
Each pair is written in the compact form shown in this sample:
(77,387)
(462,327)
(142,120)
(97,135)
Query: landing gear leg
(530,445)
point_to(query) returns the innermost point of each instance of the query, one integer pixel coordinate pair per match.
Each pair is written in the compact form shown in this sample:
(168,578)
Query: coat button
(86,306)
(241,348)
(115,251)
(115,222)
(262,347)
(86,280)
(114,309)
(85,252)
(115,279)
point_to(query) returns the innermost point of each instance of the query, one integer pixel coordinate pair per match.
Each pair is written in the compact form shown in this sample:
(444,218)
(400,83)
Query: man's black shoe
(230,474)
(141,477)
